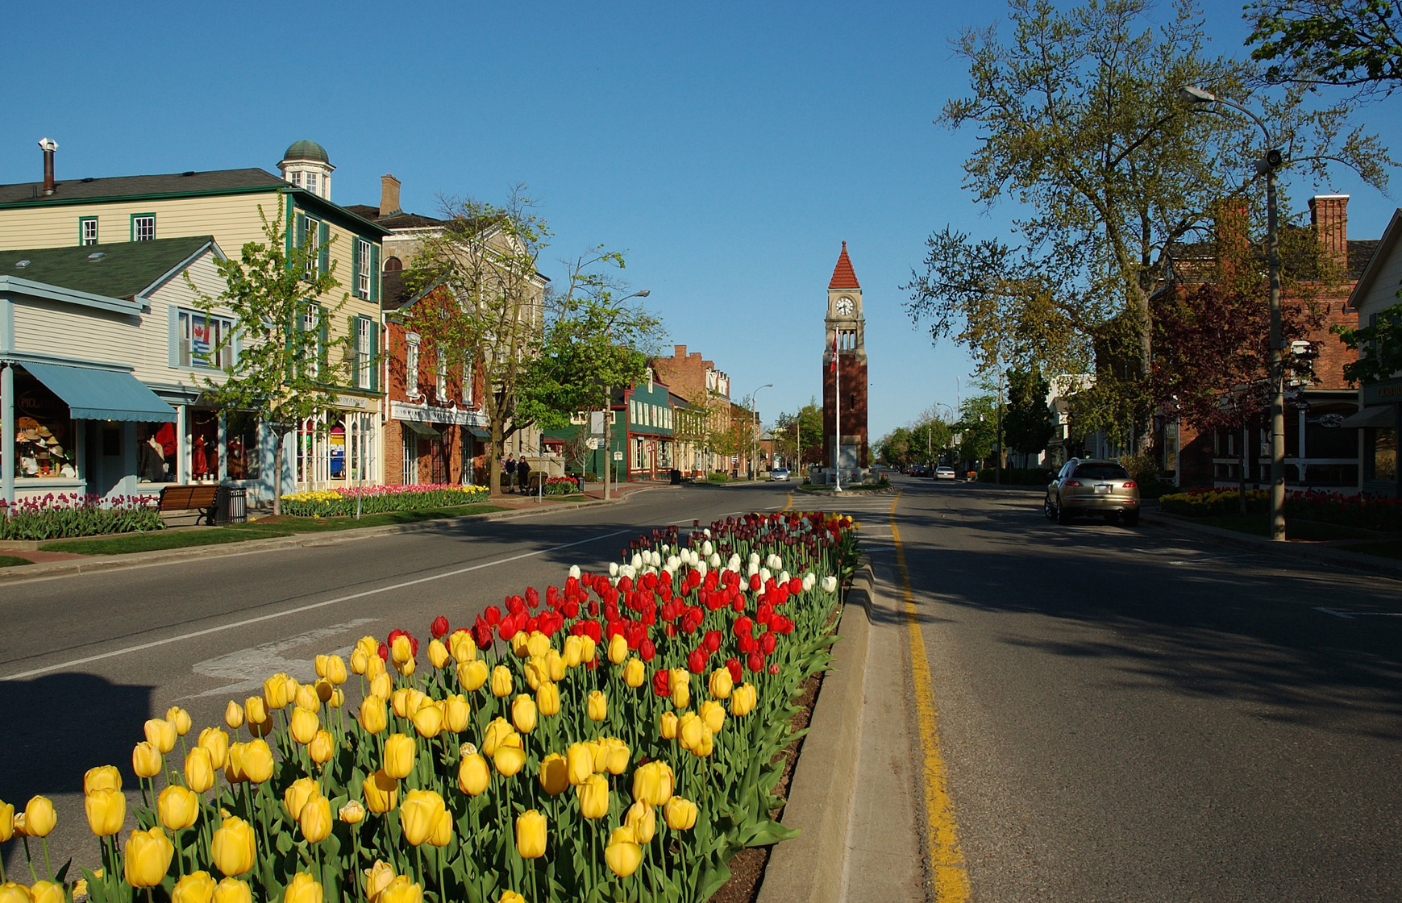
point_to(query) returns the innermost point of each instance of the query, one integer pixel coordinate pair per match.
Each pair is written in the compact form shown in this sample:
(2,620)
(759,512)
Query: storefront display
(202,426)
(243,451)
(157,452)
(43,433)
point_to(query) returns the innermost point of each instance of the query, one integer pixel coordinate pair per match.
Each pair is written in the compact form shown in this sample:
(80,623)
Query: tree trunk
(280,446)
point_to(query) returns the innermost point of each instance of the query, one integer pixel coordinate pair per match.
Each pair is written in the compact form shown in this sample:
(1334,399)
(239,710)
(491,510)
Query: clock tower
(846,340)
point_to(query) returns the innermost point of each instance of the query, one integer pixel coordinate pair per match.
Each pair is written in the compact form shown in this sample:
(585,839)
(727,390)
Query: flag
(833,368)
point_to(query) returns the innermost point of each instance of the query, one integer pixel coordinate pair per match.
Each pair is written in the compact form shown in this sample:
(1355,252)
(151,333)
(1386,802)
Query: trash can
(676,477)
(231,505)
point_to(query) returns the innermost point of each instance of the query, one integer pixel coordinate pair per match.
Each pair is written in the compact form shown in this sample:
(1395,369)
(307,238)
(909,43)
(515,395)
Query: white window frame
(467,376)
(411,365)
(185,355)
(312,241)
(311,183)
(138,227)
(311,321)
(86,225)
(362,283)
(364,372)
(440,378)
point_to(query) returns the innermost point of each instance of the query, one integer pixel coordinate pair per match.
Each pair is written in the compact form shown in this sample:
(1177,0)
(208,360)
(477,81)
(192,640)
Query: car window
(1102,472)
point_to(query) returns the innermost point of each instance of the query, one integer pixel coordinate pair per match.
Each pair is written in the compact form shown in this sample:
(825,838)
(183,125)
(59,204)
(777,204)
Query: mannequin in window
(152,465)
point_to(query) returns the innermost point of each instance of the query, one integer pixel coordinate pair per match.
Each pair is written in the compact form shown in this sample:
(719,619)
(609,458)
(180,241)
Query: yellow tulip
(401,650)
(372,715)
(473,775)
(196,887)
(681,690)
(523,713)
(442,831)
(530,834)
(399,755)
(554,774)
(579,761)
(742,700)
(147,859)
(335,671)
(381,685)
(7,821)
(401,890)
(303,888)
(199,770)
(315,820)
(653,783)
(472,675)
(680,814)
(462,645)
(338,698)
(309,698)
(428,721)
(215,742)
(713,714)
(618,649)
(668,724)
(257,762)
(233,715)
(10,892)
(457,714)
(232,846)
(399,702)
(322,747)
(547,699)
(520,647)
(180,718)
(623,855)
(497,731)
(359,661)
(39,816)
(721,683)
(106,810)
(593,797)
(537,673)
(303,725)
(276,693)
(375,667)
(587,649)
(574,648)
(509,760)
(232,890)
(437,654)
(634,673)
(178,807)
(381,792)
(618,755)
(510,896)
(554,666)
(48,892)
(598,707)
(255,710)
(642,818)
(537,643)
(161,734)
(377,878)
(501,681)
(104,777)
(352,813)
(298,794)
(418,815)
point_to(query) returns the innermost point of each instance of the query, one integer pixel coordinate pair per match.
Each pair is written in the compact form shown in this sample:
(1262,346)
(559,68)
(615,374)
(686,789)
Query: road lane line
(302,608)
(947,870)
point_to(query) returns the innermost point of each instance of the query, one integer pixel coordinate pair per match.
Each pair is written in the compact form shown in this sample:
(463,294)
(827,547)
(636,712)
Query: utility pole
(998,473)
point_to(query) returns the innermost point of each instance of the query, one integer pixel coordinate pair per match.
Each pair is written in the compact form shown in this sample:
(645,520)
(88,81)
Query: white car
(944,473)
(779,474)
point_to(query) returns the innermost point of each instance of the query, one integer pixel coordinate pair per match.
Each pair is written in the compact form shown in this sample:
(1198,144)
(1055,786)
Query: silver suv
(1092,486)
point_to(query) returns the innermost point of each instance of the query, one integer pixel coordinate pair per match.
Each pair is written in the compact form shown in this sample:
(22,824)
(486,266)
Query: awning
(1378,416)
(423,430)
(102,394)
(478,432)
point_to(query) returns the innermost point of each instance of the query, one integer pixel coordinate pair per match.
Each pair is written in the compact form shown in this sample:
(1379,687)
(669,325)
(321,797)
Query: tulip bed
(1369,512)
(379,499)
(617,739)
(62,516)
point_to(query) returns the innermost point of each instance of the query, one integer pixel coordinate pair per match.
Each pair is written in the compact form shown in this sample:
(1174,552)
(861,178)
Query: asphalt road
(1133,715)
(85,660)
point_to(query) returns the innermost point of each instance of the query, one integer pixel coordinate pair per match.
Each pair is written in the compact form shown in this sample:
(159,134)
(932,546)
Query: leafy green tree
(799,436)
(1026,419)
(894,448)
(977,428)
(1380,345)
(289,364)
(1079,121)
(1337,43)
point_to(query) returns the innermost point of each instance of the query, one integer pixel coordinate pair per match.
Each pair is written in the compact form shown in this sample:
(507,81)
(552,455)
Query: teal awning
(478,432)
(102,394)
(423,430)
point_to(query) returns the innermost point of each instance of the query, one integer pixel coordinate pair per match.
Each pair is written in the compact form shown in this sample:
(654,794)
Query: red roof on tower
(843,276)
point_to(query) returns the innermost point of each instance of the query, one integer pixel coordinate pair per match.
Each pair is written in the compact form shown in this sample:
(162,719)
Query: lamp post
(754,436)
(608,410)
(1266,166)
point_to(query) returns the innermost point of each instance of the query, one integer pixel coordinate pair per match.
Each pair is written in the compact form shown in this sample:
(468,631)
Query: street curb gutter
(809,868)
(1294,551)
(97,564)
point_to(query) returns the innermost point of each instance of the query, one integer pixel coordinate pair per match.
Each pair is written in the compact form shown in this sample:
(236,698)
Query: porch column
(182,446)
(1300,458)
(7,433)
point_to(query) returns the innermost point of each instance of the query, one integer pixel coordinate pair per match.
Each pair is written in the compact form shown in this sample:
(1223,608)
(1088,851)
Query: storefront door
(106,461)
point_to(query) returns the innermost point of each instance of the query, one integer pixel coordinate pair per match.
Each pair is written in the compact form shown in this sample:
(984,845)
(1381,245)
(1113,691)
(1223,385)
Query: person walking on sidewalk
(523,473)
(509,468)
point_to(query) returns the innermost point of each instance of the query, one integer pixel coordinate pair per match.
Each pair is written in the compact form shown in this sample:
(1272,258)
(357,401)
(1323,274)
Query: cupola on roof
(306,150)
(843,276)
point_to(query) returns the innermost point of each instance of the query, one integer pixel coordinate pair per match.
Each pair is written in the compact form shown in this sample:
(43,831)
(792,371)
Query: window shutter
(355,266)
(173,336)
(322,351)
(323,255)
(351,347)
(301,229)
(374,274)
(374,350)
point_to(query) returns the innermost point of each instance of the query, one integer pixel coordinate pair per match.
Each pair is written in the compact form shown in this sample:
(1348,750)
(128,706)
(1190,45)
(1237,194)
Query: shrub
(718,477)
(561,486)
(379,499)
(64,516)
(1364,511)
(1214,502)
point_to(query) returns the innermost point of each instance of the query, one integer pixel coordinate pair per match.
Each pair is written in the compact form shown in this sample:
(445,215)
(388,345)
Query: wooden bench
(201,497)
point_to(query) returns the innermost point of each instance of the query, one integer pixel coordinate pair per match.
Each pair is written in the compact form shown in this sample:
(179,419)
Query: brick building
(846,341)
(707,392)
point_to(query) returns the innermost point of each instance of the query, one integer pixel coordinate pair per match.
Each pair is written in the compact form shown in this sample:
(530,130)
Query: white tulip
(613,569)
(829,584)
(706,532)
(714,560)
(764,575)
(636,561)
(754,569)
(574,571)
(754,558)
(707,548)
(784,577)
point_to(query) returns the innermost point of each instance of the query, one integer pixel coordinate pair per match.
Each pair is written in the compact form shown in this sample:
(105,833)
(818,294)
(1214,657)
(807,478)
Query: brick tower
(846,336)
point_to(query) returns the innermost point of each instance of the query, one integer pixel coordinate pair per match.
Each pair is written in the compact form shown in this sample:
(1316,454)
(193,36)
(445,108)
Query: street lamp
(608,409)
(1266,166)
(754,437)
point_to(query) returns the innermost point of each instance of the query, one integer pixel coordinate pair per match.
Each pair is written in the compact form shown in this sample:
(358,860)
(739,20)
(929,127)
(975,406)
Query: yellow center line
(788,503)
(948,873)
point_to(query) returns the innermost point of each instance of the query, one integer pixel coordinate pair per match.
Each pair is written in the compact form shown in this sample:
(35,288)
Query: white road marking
(247,667)
(1350,615)
(298,610)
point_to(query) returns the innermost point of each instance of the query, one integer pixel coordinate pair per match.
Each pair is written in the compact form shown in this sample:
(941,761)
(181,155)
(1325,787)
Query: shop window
(156,452)
(242,456)
(409,471)
(206,342)
(202,426)
(1382,463)
(44,432)
(638,454)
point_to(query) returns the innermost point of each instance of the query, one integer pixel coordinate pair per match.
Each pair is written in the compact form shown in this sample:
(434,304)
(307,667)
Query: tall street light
(608,409)
(754,436)
(1266,166)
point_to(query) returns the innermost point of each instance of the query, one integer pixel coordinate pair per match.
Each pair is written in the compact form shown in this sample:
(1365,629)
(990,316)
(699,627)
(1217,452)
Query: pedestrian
(509,468)
(523,473)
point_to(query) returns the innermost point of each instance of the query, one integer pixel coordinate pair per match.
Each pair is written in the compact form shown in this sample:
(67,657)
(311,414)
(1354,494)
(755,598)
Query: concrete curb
(96,563)
(809,868)
(1294,551)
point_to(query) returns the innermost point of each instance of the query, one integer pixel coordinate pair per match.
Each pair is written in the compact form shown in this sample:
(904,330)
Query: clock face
(844,307)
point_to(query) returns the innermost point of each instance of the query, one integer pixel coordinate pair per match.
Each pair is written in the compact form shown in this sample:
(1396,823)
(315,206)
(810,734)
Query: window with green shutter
(374,274)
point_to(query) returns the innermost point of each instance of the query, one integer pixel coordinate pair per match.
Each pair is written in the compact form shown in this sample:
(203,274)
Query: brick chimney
(1329,216)
(49,146)
(389,196)
(1231,229)
(679,352)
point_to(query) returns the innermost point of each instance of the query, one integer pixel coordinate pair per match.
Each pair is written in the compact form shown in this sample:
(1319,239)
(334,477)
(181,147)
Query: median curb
(98,563)
(809,868)
(1294,551)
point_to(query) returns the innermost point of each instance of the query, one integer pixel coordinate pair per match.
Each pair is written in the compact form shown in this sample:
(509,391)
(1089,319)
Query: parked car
(944,473)
(1092,486)
(779,474)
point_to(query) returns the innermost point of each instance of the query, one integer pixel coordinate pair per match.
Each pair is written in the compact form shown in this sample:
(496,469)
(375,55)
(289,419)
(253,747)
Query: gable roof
(843,276)
(219,181)
(125,269)
(1377,260)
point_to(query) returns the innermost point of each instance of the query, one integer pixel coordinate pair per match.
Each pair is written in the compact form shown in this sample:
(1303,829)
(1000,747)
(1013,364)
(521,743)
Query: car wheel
(1130,519)
(1048,508)
(1063,516)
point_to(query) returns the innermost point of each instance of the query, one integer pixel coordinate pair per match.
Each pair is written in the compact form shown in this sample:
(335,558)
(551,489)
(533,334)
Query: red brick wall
(854,405)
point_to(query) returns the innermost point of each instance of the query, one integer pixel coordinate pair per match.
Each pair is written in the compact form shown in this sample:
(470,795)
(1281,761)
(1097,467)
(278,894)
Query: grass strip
(9,561)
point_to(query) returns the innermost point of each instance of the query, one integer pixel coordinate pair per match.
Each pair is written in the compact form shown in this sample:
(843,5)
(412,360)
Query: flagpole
(837,410)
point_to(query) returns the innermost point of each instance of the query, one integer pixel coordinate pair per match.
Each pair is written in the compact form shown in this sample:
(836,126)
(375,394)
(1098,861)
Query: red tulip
(439,627)
(755,662)
(697,660)
(733,666)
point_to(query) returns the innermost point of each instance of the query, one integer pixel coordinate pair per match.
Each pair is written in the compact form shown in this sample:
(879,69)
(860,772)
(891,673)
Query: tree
(1338,43)
(977,429)
(1026,420)
(1382,342)
(1079,121)
(288,364)
(799,436)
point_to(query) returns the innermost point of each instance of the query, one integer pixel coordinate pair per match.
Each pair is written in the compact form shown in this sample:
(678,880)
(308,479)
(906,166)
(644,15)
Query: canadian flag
(833,367)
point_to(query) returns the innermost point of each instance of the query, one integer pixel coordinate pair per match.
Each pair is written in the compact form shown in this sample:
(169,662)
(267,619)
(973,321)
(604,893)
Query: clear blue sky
(729,148)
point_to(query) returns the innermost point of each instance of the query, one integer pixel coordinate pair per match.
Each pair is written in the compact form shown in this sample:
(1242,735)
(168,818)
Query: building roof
(306,150)
(400,220)
(116,270)
(218,181)
(843,276)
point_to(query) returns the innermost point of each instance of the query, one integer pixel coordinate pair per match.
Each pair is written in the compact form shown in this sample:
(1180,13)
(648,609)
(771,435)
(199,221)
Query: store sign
(425,413)
(1388,391)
